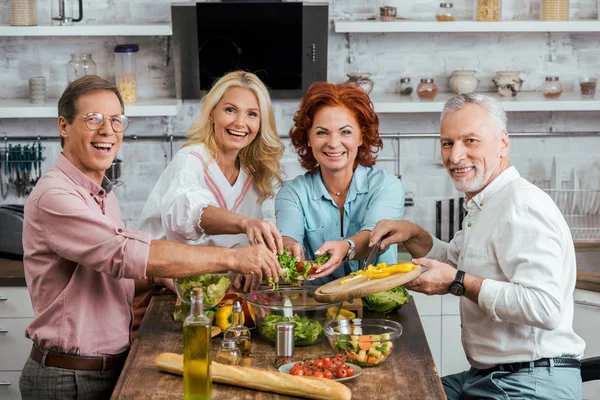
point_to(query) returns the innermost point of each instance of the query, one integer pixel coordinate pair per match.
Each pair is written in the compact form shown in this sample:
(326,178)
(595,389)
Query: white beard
(469,186)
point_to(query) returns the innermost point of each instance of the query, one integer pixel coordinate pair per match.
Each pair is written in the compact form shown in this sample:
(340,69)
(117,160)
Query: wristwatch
(457,287)
(351,251)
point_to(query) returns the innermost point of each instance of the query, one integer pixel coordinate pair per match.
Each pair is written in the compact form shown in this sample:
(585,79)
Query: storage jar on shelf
(81,64)
(508,83)
(463,81)
(125,71)
(488,10)
(554,10)
(405,88)
(552,88)
(445,12)
(23,12)
(427,89)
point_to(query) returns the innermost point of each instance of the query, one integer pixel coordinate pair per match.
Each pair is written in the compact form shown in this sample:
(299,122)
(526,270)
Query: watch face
(457,289)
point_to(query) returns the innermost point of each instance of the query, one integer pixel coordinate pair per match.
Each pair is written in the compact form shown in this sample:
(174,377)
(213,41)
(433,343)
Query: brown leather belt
(61,360)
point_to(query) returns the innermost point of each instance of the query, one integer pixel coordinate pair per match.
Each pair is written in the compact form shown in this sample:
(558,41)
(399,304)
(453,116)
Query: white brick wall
(387,56)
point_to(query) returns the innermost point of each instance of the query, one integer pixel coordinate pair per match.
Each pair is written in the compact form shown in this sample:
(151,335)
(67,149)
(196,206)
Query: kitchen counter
(409,371)
(588,267)
(11,272)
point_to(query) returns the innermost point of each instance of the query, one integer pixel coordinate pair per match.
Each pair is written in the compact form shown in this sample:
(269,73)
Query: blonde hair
(260,159)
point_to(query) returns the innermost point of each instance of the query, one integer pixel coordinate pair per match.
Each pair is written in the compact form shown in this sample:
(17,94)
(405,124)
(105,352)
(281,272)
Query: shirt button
(102,192)
(91,194)
(120,230)
(481,204)
(469,224)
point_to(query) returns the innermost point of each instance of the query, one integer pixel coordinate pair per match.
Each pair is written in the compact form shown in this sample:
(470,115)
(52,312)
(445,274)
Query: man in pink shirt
(82,265)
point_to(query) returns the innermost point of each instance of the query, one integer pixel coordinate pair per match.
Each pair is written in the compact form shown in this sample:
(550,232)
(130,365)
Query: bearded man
(512,264)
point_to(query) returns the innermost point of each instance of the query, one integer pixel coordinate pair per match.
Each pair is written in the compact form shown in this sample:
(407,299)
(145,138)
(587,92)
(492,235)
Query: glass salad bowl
(366,342)
(213,285)
(292,304)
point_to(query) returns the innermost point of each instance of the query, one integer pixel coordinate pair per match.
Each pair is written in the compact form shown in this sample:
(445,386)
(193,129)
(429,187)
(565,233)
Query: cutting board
(335,291)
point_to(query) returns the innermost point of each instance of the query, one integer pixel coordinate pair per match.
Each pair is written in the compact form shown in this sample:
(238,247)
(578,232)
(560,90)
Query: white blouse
(191,182)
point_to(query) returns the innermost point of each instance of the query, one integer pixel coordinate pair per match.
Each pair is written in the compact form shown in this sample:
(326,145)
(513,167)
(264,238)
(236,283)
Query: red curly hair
(323,94)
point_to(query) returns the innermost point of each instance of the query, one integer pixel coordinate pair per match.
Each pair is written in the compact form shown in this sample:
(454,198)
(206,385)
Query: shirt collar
(80,179)
(505,177)
(358,185)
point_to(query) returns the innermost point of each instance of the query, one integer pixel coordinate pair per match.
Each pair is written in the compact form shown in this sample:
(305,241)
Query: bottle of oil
(197,380)
(238,332)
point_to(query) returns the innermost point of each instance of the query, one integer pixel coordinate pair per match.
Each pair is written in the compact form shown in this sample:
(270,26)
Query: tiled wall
(387,56)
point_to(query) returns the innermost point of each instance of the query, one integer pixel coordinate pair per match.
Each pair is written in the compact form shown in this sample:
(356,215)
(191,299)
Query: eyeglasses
(94,121)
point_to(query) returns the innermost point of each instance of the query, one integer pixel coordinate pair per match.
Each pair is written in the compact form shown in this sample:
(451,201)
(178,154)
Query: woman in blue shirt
(334,206)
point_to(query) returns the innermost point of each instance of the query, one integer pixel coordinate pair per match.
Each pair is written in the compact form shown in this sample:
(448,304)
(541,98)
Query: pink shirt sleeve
(91,238)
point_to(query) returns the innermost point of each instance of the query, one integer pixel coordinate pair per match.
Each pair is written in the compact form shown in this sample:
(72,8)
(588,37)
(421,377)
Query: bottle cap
(446,5)
(427,80)
(237,307)
(197,292)
(285,339)
(228,344)
(552,78)
(404,80)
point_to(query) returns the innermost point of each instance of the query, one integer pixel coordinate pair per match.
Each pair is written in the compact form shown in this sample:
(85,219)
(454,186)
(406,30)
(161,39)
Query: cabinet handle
(3,298)
(3,330)
(587,303)
(4,383)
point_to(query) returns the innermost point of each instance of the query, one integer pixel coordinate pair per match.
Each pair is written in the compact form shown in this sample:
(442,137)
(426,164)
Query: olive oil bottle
(197,379)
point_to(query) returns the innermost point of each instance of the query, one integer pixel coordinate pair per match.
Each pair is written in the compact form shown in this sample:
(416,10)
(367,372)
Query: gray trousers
(39,382)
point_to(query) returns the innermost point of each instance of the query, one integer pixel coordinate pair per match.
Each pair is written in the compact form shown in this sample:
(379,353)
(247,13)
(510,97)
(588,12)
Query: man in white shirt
(513,265)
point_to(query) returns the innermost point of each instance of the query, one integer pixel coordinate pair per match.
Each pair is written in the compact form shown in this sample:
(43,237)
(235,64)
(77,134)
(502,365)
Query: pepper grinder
(285,343)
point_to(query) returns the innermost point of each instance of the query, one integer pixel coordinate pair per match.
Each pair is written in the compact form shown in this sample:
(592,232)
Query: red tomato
(326,359)
(313,270)
(341,372)
(318,363)
(294,370)
(318,374)
(327,363)
(300,266)
(308,372)
(350,371)
(327,374)
(300,372)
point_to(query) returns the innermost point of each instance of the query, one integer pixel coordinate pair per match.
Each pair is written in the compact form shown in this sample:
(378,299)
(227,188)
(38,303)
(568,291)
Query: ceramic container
(463,81)
(361,80)
(508,83)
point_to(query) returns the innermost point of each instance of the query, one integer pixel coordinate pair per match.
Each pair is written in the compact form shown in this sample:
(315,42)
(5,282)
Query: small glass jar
(229,353)
(405,88)
(552,88)
(81,64)
(125,71)
(23,12)
(488,10)
(445,12)
(588,86)
(427,89)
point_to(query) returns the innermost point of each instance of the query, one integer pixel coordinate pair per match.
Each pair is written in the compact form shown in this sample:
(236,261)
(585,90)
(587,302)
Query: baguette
(268,381)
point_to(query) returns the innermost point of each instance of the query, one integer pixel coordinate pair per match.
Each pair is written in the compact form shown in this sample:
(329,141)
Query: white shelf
(88,30)
(524,101)
(375,26)
(21,108)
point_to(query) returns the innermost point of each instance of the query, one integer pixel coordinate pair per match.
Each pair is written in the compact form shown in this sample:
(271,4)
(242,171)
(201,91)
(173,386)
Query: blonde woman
(212,191)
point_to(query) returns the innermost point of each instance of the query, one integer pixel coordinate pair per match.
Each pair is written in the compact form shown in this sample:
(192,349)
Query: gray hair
(493,107)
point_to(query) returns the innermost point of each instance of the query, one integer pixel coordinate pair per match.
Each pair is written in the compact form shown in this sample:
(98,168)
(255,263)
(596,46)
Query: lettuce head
(388,301)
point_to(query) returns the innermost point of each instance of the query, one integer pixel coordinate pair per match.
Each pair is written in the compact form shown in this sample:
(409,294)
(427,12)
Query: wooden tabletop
(409,372)
(11,272)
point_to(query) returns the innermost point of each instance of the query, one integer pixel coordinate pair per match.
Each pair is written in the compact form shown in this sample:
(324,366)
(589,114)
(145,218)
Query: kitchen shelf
(22,108)
(88,30)
(407,26)
(524,101)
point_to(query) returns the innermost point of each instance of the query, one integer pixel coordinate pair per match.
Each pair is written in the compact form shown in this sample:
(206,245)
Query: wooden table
(408,373)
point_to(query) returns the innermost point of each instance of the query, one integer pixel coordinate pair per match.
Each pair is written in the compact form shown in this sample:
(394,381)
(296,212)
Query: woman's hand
(337,250)
(294,247)
(245,283)
(263,232)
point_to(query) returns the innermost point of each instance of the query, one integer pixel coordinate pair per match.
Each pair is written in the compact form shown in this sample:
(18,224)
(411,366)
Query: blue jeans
(540,383)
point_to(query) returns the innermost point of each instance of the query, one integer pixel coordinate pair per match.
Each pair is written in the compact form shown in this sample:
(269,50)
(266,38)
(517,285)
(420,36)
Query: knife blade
(372,255)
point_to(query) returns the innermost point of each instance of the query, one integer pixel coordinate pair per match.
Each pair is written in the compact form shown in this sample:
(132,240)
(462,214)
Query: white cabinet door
(14,346)
(450,305)
(453,355)
(15,303)
(9,385)
(427,305)
(432,325)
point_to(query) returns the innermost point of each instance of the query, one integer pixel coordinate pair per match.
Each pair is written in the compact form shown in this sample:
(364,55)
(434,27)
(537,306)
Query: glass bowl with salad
(213,285)
(294,304)
(366,342)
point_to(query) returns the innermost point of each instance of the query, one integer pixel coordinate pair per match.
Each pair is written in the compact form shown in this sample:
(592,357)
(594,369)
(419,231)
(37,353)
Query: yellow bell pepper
(224,317)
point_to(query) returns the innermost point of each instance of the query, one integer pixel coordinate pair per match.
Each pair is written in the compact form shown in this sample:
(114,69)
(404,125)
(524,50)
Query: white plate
(285,369)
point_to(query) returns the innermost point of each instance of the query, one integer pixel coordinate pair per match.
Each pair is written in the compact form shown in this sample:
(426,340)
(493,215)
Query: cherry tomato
(318,374)
(326,359)
(318,363)
(341,372)
(294,370)
(327,363)
(299,372)
(308,372)
(300,266)
(328,374)
(313,270)
(349,371)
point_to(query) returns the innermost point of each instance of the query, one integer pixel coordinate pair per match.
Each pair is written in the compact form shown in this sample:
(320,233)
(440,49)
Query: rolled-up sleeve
(289,215)
(90,239)
(182,205)
(534,296)
(386,203)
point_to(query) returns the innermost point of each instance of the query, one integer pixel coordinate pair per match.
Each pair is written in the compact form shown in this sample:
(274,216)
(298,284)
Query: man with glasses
(83,266)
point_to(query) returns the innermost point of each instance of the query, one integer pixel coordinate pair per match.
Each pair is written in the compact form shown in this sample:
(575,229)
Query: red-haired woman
(334,206)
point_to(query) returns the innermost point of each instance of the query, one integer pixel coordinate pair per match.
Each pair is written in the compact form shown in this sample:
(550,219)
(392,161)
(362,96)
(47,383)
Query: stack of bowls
(23,12)
(554,10)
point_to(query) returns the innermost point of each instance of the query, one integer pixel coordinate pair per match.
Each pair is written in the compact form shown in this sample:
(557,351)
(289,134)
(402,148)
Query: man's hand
(294,247)
(435,280)
(263,232)
(337,250)
(166,282)
(396,231)
(245,283)
(256,260)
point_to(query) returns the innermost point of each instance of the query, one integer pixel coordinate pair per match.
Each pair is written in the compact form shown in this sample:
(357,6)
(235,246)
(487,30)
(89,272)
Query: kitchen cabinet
(586,323)
(16,312)
(453,355)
